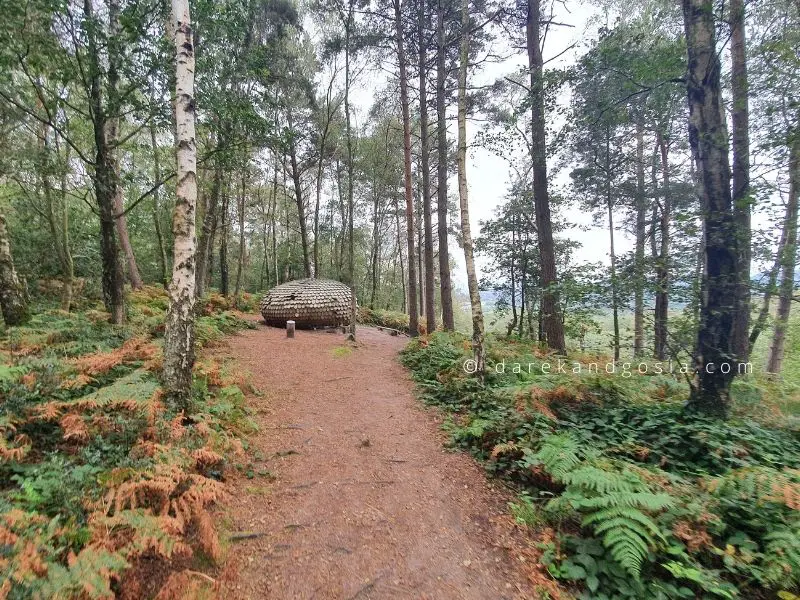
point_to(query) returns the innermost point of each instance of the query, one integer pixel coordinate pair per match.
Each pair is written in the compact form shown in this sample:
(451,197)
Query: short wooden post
(289,329)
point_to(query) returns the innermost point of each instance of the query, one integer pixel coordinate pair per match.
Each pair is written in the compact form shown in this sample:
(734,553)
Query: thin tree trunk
(430,298)
(400,252)
(639,283)
(209,225)
(240,263)
(224,280)
(162,251)
(776,351)
(105,180)
(513,324)
(552,324)
(478,349)
(298,196)
(709,142)
(13,306)
(351,267)
(179,334)
(413,316)
(661,316)
(612,250)
(740,120)
(445,284)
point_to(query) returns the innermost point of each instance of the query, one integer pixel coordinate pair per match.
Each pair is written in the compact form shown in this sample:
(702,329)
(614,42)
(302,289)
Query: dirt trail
(366,503)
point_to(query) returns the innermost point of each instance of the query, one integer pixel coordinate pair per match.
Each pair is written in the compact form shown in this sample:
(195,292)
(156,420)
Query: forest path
(365,502)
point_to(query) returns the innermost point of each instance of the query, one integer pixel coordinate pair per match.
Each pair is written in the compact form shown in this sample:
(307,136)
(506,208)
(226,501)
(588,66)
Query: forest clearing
(399,299)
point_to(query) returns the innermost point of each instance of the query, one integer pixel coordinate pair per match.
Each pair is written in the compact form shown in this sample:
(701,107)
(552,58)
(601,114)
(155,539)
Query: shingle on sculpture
(308,302)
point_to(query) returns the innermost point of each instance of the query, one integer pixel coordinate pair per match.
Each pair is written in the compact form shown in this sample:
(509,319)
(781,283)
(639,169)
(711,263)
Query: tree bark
(552,324)
(641,208)
(351,268)
(209,225)
(224,278)
(445,283)
(430,298)
(478,348)
(162,251)
(662,264)
(179,334)
(12,294)
(298,196)
(112,135)
(776,351)
(709,143)
(740,119)
(105,179)
(242,247)
(413,316)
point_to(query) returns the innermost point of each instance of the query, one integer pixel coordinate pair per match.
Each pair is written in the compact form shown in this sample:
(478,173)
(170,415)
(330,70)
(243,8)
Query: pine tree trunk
(776,351)
(351,264)
(478,348)
(661,316)
(552,324)
(639,282)
(445,283)
(413,316)
(298,196)
(12,294)
(430,298)
(740,120)
(709,143)
(179,334)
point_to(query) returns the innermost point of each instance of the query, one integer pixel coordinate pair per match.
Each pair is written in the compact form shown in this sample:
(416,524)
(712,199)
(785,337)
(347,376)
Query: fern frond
(559,454)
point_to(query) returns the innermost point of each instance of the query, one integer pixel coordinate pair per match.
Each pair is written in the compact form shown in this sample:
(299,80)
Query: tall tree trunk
(552,324)
(240,263)
(298,196)
(162,251)
(105,179)
(112,135)
(709,142)
(179,334)
(13,306)
(124,237)
(351,264)
(614,283)
(513,324)
(776,350)
(430,298)
(662,264)
(224,279)
(273,222)
(400,252)
(204,250)
(740,119)
(639,282)
(420,266)
(413,316)
(478,348)
(445,284)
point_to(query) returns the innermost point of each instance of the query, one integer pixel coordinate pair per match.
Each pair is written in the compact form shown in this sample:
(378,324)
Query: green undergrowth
(98,475)
(386,318)
(635,497)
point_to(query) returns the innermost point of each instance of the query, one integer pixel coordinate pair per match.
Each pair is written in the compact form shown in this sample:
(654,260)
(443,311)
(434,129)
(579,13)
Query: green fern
(558,455)
(614,504)
(782,556)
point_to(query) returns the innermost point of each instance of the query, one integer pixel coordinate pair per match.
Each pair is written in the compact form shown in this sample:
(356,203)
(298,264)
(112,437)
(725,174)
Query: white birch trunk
(179,336)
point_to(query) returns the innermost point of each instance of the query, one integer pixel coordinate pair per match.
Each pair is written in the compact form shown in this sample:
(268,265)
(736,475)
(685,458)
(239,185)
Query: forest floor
(355,496)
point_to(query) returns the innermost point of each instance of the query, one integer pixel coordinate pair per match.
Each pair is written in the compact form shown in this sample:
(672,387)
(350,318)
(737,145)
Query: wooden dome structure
(307,302)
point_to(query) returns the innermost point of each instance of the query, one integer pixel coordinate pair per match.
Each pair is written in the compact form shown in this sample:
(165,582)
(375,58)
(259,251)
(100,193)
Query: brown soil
(365,503)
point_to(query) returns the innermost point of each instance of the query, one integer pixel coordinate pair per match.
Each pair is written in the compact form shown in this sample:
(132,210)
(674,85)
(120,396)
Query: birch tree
(179,335)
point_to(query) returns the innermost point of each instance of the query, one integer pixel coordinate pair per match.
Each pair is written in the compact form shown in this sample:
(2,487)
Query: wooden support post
(289,329)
